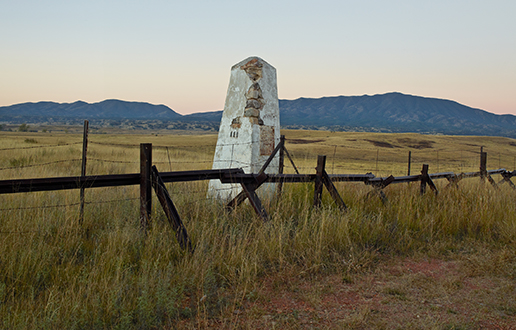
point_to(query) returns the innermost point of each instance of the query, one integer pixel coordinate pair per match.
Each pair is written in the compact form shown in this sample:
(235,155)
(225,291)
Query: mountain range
(391,112)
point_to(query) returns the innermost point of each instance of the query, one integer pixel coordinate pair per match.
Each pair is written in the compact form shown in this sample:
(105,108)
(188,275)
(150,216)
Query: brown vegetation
(421,262)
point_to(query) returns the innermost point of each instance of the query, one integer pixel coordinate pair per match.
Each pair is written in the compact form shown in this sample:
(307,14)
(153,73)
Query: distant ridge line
(390,112)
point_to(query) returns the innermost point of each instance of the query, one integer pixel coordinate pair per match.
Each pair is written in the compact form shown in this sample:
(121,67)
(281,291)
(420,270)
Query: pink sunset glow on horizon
(180,53)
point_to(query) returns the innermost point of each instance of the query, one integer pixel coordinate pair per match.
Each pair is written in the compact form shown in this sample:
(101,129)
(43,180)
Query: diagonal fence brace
(249,192)
(507,178)
(426,180)
(333,191)
(322,179)
(378,188)
(170,210)
(453,181)
(290,159)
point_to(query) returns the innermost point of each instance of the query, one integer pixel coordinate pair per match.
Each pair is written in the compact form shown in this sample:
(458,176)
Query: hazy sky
(179,53)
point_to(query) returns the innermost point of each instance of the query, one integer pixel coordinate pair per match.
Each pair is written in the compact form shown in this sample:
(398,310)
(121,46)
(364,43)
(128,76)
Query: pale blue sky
(179,53)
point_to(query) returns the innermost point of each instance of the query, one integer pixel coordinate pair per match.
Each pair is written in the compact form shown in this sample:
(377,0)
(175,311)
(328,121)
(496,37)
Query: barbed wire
(69,230)
(68,205)
(174,146)
(392,147)
(113,161)
(172,162)
(40,164)
(183,162)
(422,156)
(39,207)
(114,144)
(153,146)
(114,200)
(43,146)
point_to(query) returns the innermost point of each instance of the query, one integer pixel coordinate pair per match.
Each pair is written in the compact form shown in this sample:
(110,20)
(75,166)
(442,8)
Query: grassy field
(420,262)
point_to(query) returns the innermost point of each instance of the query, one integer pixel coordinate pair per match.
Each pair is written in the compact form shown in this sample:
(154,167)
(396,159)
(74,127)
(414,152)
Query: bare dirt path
(397,294)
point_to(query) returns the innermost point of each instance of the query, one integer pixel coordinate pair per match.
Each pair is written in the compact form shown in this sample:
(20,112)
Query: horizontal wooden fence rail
(443,175)
(368,178)
(235,175)
(149,178)
(111,180)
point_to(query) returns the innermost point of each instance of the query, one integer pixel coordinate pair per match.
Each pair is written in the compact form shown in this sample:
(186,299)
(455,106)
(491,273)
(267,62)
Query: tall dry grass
(107,274)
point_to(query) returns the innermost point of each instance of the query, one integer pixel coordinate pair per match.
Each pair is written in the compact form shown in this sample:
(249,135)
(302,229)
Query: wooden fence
(150,178)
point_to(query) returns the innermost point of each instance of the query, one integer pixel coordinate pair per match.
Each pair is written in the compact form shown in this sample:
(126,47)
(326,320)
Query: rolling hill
(108,109)
(391,112)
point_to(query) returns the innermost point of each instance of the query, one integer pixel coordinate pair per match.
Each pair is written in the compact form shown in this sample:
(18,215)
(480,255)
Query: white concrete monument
(250,126)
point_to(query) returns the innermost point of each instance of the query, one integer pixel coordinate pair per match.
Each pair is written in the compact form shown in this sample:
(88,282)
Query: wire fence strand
(70,204)
(41,164)
(43,146)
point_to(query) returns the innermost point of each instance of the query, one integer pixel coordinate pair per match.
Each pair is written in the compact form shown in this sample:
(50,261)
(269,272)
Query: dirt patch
(381,144)
(304,141)
(416,144)
(397,294)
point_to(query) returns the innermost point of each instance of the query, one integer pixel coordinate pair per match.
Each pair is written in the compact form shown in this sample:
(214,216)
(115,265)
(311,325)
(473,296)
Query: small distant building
(250,125)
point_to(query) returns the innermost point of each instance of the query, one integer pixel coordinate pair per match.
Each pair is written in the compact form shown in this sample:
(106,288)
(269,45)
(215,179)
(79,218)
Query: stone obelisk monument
(250,126)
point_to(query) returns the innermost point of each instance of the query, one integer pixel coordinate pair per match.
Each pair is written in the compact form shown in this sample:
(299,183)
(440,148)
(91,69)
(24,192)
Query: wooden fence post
(424,174)
(145,185)
(377,155)
(321,163)
(322,179)
(83,167)
(409,161)
(425,179)
(281,162)
(483,164)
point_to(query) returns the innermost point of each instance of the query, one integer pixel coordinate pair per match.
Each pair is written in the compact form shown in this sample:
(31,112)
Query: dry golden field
(420,262)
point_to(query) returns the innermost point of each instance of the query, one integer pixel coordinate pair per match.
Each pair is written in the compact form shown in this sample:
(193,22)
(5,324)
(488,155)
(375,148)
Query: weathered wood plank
(258,181)
(318,186)
(426,180)
(111,180)
(170,210)
(145,185)
(255,201)
(333,191)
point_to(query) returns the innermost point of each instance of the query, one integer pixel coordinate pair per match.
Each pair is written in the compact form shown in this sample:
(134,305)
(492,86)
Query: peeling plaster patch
(266,140)
(236,123)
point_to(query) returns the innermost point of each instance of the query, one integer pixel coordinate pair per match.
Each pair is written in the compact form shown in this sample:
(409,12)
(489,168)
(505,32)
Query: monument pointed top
(251,59)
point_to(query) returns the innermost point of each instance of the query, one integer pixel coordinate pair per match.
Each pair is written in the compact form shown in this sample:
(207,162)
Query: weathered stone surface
(253,68)
(254,92)
(252,112)
(250,126)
